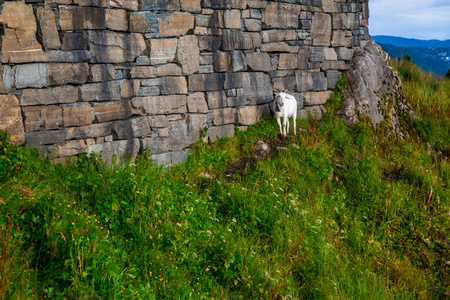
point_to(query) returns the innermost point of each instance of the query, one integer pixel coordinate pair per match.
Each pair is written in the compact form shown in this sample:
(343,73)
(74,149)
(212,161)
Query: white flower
(229,230)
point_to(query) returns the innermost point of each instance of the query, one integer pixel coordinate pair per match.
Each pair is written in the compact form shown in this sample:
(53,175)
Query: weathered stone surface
(70,148)
(288,61)
(116,19)
(238,61)
(162,51)
(216,132)
(257,88)
(374,91)
(74,41)
(151,72)
(304,81)
(281,15)
(60,94)
(206,82)
(316,98)
(102,72)
(159,105)
(345,53)
(174,85)
(49,31)
(126,4)
(274,36)
(160,4)
(252,25)
(276,47)
(284,83)
(11,120)
(121,150)
(222,61)
(196,103)
(224,116)
(175,24)
(32,118)
(189,54)
(73,56)
(319,81)
(90,131)
(259,61)
(3,89)
(129,88)
(79,18)
(232,19)
(101,91)
(330,54)
(38,138)
(191,5)
(156,145)
(216,99)
(78,114)
(238,40)
(114,47)
(321,29)
(159,121)
(19,43)
(210,43)
(249,115)
(128,129)
(96,3)
(332,78)
(143,21)
(113,111)
(30,75)
(64,73)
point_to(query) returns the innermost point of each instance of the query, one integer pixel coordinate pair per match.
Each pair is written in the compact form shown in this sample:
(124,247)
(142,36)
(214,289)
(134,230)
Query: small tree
(408,57)
(448,74)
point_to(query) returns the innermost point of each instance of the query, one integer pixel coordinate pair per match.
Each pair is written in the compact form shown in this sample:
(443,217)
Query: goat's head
(279,98)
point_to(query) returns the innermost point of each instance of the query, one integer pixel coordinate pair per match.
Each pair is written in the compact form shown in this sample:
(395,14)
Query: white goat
(285,106)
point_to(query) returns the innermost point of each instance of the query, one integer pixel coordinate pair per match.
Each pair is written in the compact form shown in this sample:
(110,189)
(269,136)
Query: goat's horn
(277,90)
(286,91)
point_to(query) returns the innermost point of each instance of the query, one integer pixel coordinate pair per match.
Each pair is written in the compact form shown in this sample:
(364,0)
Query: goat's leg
(294,118)
(279,124)
(284,126)
(287,125)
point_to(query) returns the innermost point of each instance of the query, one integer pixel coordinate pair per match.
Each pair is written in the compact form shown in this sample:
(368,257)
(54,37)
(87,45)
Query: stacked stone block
(119,76)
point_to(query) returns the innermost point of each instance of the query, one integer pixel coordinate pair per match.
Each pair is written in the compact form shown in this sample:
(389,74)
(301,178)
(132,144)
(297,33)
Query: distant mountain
(432,56)
(405,42)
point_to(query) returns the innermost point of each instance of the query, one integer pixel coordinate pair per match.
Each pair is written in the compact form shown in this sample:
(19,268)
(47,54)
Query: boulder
(374,93)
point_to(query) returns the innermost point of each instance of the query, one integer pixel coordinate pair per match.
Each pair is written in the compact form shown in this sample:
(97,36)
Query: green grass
(328,218)
(430,99)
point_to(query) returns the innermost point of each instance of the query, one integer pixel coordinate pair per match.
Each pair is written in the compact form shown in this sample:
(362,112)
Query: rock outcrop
(374,93)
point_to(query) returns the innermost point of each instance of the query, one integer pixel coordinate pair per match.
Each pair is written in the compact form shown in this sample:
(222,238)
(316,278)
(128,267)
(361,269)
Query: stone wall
(119,76)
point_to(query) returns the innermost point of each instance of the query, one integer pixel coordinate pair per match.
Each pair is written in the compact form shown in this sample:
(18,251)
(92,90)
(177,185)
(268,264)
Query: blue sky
(420,19)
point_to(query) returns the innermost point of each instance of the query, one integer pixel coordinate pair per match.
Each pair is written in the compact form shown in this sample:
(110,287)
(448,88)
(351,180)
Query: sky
(419,19)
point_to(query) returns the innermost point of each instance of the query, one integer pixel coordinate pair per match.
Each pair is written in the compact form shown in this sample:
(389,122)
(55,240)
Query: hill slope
(329,213)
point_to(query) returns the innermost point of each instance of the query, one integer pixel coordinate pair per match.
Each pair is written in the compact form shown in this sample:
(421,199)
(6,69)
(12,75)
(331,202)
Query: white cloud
(410,18)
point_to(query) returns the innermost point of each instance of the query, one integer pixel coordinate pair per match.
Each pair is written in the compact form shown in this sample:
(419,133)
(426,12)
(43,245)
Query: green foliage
(447,75)
(407,57)
(326,216)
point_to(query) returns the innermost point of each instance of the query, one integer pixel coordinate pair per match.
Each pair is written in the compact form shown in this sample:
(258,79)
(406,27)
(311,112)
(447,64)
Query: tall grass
(429,96)
(324,216)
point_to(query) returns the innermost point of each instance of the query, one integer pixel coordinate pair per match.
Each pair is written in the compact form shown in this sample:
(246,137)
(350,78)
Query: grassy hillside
(327,214)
